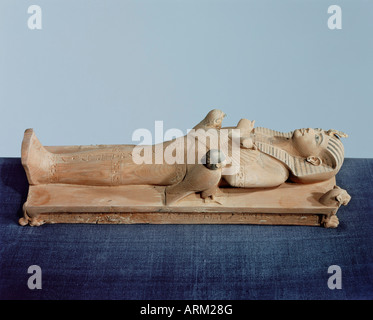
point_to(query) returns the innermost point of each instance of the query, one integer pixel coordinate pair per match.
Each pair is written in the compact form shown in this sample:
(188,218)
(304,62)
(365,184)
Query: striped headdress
(301,170)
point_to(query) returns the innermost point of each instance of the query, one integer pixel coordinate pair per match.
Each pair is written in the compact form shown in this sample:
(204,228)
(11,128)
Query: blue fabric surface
(188,261)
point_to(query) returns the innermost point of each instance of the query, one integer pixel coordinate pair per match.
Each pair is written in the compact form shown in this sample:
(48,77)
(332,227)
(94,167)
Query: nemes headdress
(301,169)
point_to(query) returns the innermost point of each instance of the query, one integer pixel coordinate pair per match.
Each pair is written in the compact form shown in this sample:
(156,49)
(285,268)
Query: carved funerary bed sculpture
(232,175)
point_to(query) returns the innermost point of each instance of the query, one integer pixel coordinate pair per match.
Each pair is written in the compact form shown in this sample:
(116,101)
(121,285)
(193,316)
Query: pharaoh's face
(310,142)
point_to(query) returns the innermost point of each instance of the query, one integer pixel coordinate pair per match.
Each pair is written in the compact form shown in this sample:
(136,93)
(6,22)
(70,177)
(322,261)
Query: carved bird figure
(246,127)
(202,178)
(213,120)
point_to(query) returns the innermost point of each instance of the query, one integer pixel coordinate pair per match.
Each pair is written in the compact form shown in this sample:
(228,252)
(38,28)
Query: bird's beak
(223,164)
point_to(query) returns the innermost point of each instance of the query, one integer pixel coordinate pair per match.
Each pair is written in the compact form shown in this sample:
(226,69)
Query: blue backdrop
(98,70)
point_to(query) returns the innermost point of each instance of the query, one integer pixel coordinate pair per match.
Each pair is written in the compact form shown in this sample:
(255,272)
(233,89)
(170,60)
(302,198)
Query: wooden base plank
(288,204)
(183,218)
